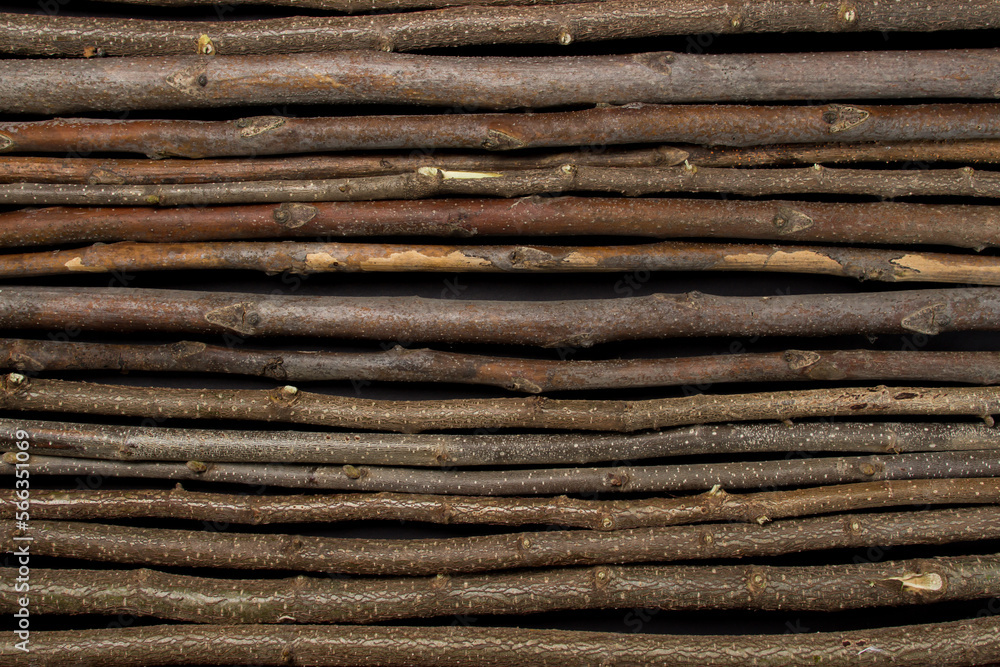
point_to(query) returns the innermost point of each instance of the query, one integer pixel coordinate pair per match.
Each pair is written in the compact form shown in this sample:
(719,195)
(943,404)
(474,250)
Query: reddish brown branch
(796,221)
(580,322)
(714,505)
(554,548)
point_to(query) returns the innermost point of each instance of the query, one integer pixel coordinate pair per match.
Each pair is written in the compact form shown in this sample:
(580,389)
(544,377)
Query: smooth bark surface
(576,323)
(617,479)
(36,34)
(553,548)
(307,258)
(677,588)
(952,644)
(589,131)
(533,376)
(137,443)
(964,152)
(475,83)
(714,505)
(432,182)
(288,404)
(795,221)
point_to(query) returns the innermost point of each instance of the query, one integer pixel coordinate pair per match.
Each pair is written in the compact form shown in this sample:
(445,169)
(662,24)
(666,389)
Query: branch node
(6,143)
(841,118)
(354,472)
(929,320)
(921,583)
(291,215)
(789,221)
(205,46)
(198,466)
(254,125)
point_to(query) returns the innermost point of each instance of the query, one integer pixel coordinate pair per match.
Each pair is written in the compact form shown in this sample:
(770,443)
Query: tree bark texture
(137,443)
(967,226)
(972,151)
(288,404)
(307,258)
(553,548)
(589,131)
(432,182)
(677,588)
(714,505)
(952,644)
(578,322)
(533,376)
(467,83)
(533,482)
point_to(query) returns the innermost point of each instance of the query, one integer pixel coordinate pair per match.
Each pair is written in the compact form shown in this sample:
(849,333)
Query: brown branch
(677,588)
(590,128)
(33,169)
(359,6)
(534,376)
(136,443)
(306,258)
(956,643)
(714,505)
(37,34)
(553,548)
(48,86)
(288,404)
(579,322)
(617,479)
(963,152)
(429,182)
(796,221)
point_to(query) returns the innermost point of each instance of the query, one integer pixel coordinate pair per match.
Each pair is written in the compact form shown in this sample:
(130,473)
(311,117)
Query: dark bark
(380,6)
(796,221)
(37,34)
(587,130)
(713,505)
(307,258)
(677,588)
(431,182)
(952,644)
(616,479)
(963,152)
(136,443)
(553,548)
(288,404)
(579,322)
(534,376)
(473,83)
(33,169)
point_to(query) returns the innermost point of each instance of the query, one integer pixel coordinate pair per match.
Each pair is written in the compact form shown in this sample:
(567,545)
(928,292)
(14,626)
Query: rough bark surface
(713,505)
(791,221)
(553,548)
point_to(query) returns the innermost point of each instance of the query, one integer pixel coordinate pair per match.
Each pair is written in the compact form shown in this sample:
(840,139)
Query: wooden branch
(307,258)
(46,86)
(36,34)
(553,548)
(616,479)
(963,152)
(534,376)
(136,443)
(141,171)
(676,588)
(956,643)
(356,6)
(430,182)
(796,221)
(713,505)
(579,322)
(593,129)
(288,404)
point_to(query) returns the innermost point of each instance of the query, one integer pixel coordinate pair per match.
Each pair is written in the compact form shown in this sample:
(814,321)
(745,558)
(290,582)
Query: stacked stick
(606,442)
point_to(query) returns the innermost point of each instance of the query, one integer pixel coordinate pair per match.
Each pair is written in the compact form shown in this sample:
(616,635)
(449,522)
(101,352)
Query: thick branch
(288,404)
(713,505)
(596,128)
(534,376)
(553,548)
(431,182)
(306,258)
(37,34)
(795,221)
(48,86)
(136,443)
(579,322)
(617,479)
(678,588)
